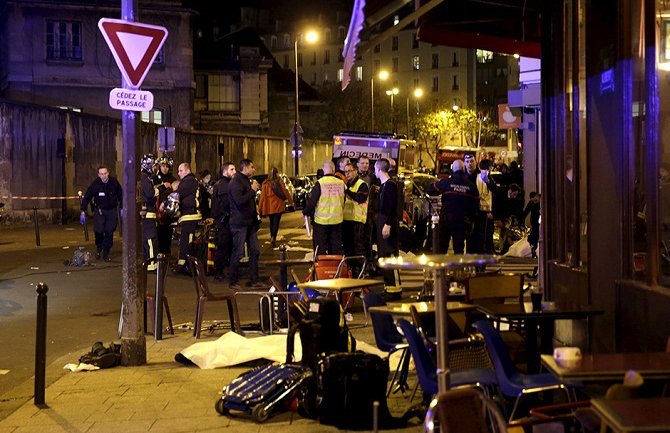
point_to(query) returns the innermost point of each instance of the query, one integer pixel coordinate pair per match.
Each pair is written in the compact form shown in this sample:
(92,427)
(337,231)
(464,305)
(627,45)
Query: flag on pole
(352,40)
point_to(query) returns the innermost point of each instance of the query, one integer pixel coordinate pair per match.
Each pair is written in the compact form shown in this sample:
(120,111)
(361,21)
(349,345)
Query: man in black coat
(388,225)
(221,215)
(460,205)
(104,195)
(244,223)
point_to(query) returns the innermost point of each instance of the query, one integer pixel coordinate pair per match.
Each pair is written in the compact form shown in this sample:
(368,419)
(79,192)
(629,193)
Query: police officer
(189,204)
(162,181)
(105,195)
(388,225)
(149,193)
(460,206)
(355,215)
(326,204)
(221,215)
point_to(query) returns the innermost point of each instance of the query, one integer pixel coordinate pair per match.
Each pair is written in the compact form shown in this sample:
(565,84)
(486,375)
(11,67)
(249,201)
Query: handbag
(278,190)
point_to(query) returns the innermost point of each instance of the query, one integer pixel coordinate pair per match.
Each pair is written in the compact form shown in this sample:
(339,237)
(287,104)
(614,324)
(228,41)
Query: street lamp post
(383,75)
(392,93)
(417,94)
(296,134)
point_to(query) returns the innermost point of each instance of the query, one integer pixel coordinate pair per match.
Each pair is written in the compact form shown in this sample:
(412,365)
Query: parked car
(303,187)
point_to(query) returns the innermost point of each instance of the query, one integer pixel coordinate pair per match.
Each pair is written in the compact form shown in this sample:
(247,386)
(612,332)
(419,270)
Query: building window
(436,60)
(326,35)
(484,56)
(454,85)
(454,60)
(394,66)
(340,74)
(341,34)
(201,86)
(160,57)
(415,63)
(396,19)
(285,61)
(326,57)
(436,84)
(415,41)
(376,66)
(416,83)
(223,93)
(377,47)
(63,40)
(394,43)
(299,59)
(359,73)
(273,42)
(325,77)
(314,79)
(314,58)
(153,116)
(287,40)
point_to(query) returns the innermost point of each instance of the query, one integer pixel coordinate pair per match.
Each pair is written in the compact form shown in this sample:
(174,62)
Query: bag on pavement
(101,356)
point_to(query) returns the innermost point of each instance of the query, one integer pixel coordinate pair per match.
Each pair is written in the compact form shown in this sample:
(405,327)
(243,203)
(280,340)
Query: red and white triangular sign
(134,46)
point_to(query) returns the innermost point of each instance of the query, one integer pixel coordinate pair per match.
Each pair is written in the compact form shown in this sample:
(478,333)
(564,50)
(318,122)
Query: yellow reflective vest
(354,211)
(330,207)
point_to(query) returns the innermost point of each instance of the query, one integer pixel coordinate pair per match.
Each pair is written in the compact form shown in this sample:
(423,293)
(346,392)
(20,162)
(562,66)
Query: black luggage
(263,390)
(323,330)
(347,385)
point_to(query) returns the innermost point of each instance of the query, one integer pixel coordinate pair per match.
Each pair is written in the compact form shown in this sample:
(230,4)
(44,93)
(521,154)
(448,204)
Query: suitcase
(263,391)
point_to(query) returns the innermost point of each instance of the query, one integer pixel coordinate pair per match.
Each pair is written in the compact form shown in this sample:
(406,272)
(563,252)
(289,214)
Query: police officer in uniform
(105,195)
(326,204)
(221,215)
(388,225)
(149,193)
(162,181)
(189,204)
(355,238)
(460,206)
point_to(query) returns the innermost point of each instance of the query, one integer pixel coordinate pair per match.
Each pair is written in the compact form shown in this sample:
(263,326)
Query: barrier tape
(15,197)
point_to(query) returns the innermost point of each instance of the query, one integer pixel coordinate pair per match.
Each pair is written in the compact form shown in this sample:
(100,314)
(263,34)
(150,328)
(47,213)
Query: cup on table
(536,300)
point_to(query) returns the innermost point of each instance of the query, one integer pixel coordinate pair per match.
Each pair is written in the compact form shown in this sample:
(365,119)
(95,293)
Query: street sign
(134,46)
(133,100)
(166,139)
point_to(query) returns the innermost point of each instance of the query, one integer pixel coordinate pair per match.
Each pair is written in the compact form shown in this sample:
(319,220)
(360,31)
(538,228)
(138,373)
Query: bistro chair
(203,295)
(150,296)
(514,384)
(388,339)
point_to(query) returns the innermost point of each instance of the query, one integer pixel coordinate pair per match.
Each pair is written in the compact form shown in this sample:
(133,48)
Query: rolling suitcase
(263,391)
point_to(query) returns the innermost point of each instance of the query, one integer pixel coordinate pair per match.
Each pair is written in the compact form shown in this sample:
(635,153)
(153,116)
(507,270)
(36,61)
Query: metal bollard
(37,227)
(161,261)
(81,199)
(41,345)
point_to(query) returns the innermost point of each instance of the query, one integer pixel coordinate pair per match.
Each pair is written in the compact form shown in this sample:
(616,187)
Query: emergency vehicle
(375,146)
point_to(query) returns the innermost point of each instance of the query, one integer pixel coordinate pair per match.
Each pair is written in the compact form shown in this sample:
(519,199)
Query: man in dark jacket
(460,205)
(244,223)
(189,206)
(221,215)
(105,196)
(149,193)
(388,225)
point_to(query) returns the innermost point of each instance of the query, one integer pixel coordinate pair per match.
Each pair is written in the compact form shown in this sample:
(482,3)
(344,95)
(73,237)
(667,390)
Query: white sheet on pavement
(232,349)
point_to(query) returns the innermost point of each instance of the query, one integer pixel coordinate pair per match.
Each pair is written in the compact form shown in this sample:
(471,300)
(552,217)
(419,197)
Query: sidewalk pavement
(161,396)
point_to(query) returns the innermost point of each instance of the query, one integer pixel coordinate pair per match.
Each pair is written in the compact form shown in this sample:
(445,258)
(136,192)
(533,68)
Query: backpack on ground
(323,330)
(101,356)
(347,385)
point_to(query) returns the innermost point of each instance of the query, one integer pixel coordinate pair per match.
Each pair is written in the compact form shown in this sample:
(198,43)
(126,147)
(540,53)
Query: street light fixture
(391,93)
(383,75)
(296,134)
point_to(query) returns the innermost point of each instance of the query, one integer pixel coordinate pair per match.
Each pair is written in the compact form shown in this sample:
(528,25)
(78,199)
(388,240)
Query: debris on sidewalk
(81,257)
(75,368)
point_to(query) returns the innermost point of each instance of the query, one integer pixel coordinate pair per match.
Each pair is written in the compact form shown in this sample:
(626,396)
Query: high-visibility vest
(354,211)
(330,208)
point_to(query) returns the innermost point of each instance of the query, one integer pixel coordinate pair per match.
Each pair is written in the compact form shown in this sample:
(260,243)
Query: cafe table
(634,415)
(612,367)
(541,321)
(403,309)
(439,264)
(341,285)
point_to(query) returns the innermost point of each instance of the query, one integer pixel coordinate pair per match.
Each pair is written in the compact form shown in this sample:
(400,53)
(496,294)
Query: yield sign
(134,46)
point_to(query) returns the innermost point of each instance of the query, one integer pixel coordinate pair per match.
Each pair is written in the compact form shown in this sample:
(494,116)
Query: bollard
(37,227)
(161,261)
(41,345)
(81,199)
(435,226)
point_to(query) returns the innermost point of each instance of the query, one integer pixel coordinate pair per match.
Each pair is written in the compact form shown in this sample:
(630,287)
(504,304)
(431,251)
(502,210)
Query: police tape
(16,197)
